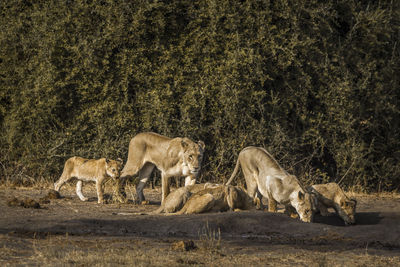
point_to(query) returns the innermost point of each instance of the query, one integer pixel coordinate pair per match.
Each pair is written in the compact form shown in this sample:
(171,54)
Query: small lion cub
(330,195)
(89,170)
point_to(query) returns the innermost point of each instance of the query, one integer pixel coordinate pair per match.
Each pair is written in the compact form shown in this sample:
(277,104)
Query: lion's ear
(107,161)
(120,161)
(184,144)
(301,195)
(201,144)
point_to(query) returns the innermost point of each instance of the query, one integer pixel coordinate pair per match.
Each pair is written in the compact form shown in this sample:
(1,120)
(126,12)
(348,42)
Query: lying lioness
(221,198)
(175,200)
(332,196)
(89,170)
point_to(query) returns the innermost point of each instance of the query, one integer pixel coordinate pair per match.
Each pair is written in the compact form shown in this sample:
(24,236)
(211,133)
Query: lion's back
(329,193)
(149,138)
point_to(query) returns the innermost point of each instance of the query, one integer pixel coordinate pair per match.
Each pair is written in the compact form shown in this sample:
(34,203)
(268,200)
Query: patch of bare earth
(67,231)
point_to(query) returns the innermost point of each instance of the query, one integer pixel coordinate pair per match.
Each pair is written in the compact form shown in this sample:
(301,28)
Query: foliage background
(314,82)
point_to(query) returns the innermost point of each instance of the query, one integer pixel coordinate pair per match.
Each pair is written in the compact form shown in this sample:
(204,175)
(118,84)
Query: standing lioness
(173,157)
(89,170)
(264,175)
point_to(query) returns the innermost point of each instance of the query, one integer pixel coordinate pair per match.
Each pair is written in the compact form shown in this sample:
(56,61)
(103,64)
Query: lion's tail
(158,211)
(235,171)
(179,212)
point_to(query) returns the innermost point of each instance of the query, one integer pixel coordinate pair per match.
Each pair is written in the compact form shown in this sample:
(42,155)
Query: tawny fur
(173,157)
(174,201)
(221,198)
(330,195)
(265,177)
(177,198)
(86,170)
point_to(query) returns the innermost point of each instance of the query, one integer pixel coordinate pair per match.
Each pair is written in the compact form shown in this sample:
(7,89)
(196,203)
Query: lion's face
(193,156)
(347,211)
(304,206)
(113,168)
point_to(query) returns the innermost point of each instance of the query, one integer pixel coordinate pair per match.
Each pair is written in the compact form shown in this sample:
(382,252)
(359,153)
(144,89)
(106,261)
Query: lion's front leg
(164,187)
(323,210)
(190,180)
(99,189)
(79,191)
(272,204)
(291,211)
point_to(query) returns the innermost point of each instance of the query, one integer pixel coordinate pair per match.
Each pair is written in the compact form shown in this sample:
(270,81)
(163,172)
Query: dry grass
(68,251)
(354,193)
(210,239)
(388,195)
(213,249)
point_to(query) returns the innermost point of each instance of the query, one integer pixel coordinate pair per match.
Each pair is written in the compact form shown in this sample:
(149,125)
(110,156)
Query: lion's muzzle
(350,220)
(195,171)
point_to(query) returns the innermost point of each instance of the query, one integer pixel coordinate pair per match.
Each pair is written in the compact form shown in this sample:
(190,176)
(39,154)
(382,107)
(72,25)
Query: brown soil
(87,229)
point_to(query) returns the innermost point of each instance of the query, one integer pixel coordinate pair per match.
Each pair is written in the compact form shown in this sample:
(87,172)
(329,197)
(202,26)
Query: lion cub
(89,170)
(332,196)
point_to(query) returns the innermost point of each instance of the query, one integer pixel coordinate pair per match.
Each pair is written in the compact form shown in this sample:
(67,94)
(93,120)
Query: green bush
(314,82)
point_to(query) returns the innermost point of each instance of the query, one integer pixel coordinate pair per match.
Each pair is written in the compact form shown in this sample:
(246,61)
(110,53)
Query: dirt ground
(68,231)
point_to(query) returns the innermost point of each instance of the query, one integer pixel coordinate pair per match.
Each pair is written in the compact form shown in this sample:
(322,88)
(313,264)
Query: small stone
(184,245)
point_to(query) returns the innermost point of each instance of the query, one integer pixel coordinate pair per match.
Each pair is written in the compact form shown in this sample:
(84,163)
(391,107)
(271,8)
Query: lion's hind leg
(158,211)
(252,190)
(198,204)
(130,169)
(144,175)
(65,176)
(60,182)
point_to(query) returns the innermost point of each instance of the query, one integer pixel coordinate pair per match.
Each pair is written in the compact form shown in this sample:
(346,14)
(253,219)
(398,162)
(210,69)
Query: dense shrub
(314,82)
